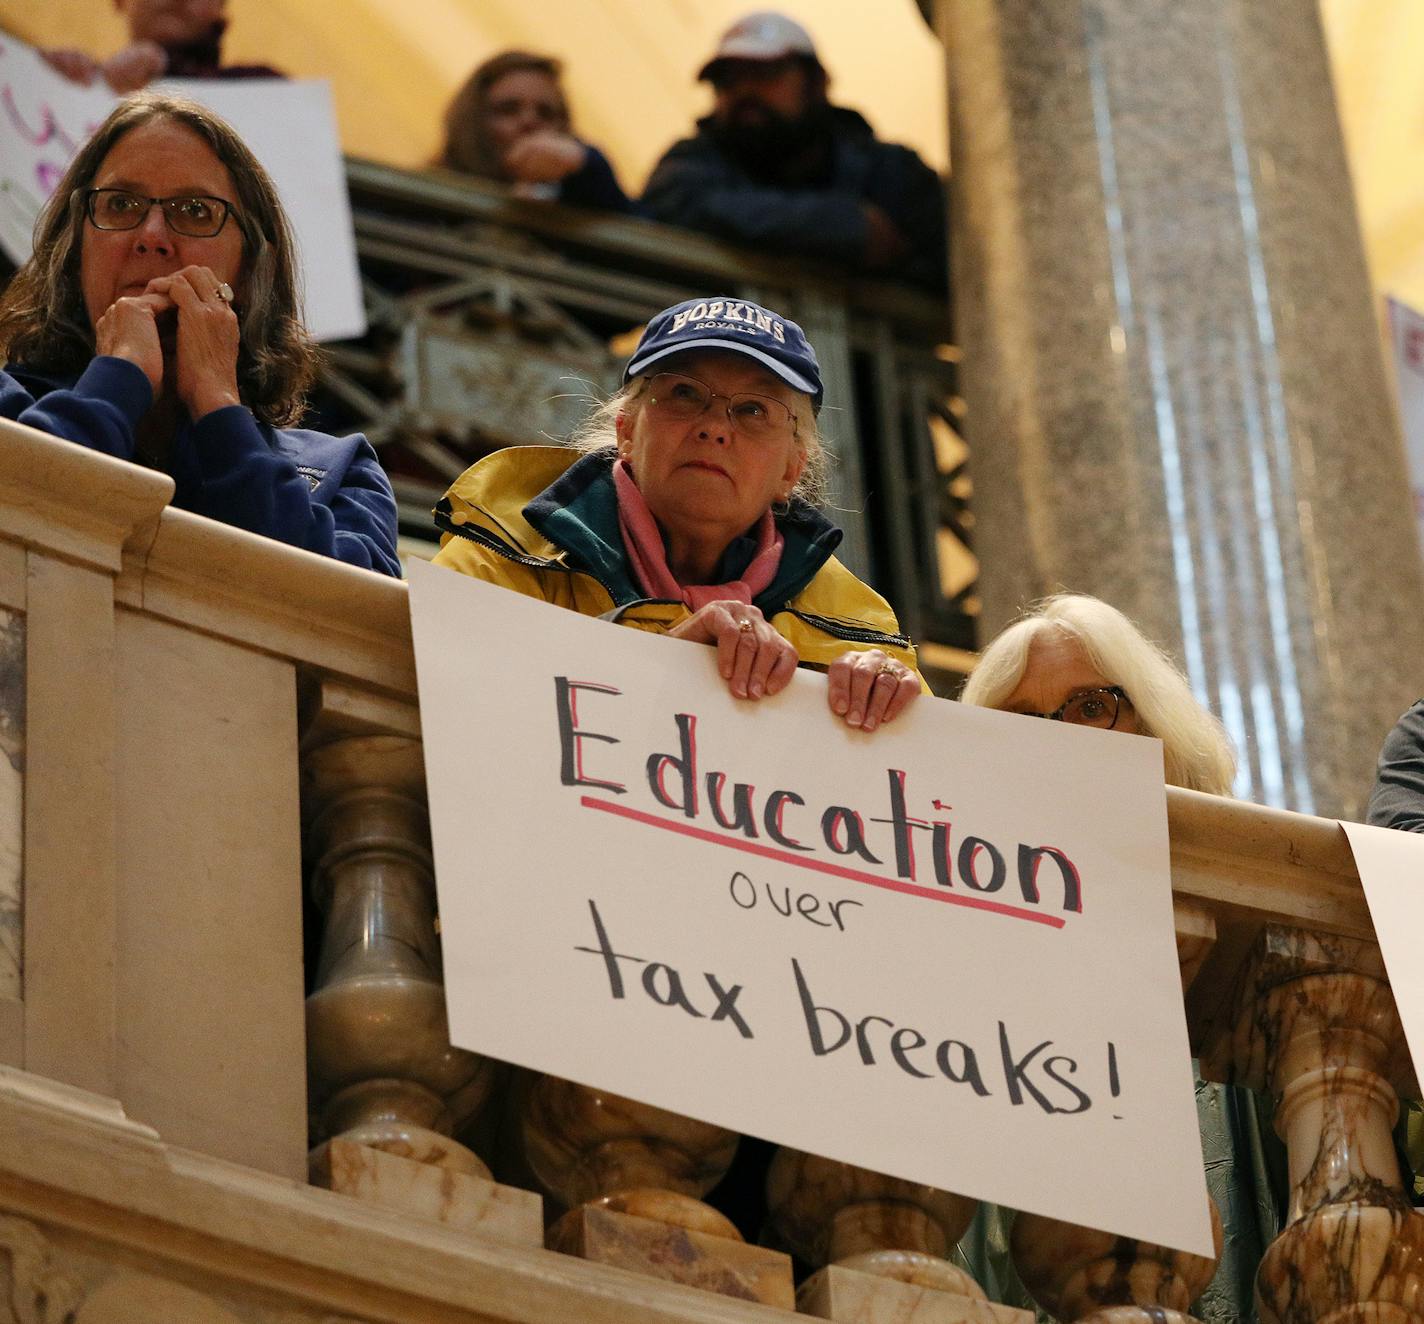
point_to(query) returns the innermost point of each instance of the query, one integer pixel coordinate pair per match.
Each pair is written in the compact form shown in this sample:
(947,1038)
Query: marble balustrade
(203,723)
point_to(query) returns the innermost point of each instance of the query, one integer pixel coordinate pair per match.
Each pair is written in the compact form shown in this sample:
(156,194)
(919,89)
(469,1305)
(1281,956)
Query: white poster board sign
(1406,329)
(944,951)
(1391,866)
(289,125)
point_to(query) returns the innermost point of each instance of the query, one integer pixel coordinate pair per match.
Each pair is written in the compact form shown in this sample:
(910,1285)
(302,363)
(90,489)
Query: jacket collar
(573,520)
(578,512)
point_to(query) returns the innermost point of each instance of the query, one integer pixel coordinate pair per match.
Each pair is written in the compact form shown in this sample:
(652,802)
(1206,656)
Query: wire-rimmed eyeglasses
(757,417)
(1097,707)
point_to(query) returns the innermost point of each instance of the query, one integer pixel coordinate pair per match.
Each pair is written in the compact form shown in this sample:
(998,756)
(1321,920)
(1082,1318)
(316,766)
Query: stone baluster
(1082,1276)
(1314,1021)
(1079,1274)
(878,1244)
(630,1175)
(382,1072)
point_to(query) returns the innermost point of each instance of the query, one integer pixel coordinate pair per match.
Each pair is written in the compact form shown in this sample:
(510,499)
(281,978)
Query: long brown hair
(43,320)
(467,146)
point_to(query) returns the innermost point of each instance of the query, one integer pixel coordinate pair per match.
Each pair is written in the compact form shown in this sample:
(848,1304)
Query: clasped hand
(202,370)
(134,67)
(865,689)
(545,157)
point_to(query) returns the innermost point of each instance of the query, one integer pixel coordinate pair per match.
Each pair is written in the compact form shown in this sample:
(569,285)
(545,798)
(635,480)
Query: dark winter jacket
(699,186)
(543,521)
(1398,798)
(202,58)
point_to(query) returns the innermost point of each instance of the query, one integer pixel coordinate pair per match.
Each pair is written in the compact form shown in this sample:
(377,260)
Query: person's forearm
(101,410)
(807,220)
(251,486)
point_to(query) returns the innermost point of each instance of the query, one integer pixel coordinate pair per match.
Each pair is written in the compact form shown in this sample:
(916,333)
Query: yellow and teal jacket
(543,521)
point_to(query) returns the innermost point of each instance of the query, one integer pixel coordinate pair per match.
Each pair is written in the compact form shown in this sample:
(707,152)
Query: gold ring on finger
(745,627)
(889,669)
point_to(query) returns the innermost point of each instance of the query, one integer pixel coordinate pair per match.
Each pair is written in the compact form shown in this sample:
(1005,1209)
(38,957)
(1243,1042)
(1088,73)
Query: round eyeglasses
(1098,707)
(757,417)
(198,217)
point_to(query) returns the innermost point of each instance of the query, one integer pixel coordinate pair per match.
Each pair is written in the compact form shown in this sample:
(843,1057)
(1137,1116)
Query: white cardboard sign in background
(1391,866)
(1406,331)
(944,951)
(289,125)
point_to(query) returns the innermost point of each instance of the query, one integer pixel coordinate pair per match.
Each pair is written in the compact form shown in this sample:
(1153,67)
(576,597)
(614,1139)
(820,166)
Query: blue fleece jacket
(326,494)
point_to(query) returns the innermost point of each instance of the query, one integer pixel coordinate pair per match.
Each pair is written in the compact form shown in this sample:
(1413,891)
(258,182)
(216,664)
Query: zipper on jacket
(827,625)
(493,544)
(853,633)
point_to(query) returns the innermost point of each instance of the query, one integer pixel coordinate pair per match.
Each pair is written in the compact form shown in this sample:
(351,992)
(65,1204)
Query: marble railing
(200,1120)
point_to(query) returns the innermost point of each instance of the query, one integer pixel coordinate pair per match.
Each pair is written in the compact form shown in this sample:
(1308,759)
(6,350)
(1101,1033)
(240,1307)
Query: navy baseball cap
(742,327)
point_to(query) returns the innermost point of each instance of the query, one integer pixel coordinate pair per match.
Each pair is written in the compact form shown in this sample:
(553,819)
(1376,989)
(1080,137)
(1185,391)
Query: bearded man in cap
(775,165)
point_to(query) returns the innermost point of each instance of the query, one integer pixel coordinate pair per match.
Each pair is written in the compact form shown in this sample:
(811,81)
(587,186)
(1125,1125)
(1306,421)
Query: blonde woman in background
(1075,659)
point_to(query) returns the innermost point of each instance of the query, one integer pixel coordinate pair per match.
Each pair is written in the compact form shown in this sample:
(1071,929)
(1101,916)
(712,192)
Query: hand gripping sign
(944,951)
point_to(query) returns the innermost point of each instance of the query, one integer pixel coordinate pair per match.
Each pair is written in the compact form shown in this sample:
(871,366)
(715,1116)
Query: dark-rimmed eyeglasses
(1099,707)
(756,417)
(195,215)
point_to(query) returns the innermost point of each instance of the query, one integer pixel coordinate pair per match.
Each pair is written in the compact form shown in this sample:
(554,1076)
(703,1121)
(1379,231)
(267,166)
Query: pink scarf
(648,557)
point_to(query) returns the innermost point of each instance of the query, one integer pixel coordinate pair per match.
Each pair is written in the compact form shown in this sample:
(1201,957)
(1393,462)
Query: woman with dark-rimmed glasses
(1075,659)
(157,321)
(691,512)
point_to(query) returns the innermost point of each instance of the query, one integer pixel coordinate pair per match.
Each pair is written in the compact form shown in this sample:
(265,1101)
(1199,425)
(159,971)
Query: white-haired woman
(692,513)
(1074,658)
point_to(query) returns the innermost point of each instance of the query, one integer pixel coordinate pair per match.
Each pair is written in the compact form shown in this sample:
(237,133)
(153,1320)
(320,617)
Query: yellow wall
(630,63)
(1376,48)
(394,63)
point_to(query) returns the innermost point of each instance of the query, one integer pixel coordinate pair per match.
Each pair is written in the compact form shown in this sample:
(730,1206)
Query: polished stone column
(1176,392)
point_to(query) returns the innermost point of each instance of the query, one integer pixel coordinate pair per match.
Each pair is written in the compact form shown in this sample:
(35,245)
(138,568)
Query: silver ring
(224,292)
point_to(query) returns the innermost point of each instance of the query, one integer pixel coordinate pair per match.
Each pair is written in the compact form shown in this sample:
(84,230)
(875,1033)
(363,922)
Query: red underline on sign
(819,866)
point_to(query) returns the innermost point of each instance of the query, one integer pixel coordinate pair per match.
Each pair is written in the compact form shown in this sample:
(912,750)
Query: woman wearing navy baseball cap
(688,506)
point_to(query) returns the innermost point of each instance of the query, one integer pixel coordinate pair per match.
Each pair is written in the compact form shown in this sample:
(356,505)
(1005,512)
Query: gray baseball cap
(765,35)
